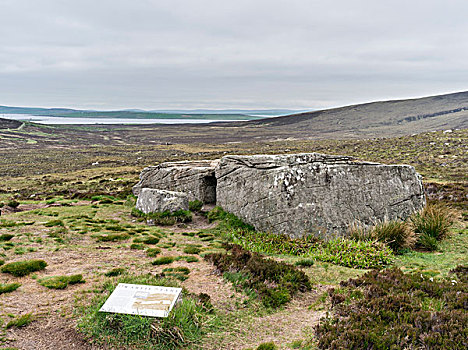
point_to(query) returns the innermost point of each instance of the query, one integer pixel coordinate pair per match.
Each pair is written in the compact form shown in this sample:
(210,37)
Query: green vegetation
(390,310)
(195,205)
(396,234)
(6,237)
(184,326)
(115,272)
(20,321)
(9,287)
(54,223)
(60,282)
(23,268)
(113,237)
(274,282)
(153,252)
(431,225)
(192,250)
(341,251)
(267,346)
(181,273)
(164,218)
(147,240)
(164,260)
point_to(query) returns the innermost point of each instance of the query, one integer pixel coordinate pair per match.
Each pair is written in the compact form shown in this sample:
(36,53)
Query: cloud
(221,54)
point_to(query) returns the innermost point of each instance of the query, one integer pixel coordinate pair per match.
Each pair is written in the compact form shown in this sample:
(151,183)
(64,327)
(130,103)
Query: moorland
(67,218)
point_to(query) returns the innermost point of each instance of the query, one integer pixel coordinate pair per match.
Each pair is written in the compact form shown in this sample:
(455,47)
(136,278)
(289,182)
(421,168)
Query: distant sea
(66,120)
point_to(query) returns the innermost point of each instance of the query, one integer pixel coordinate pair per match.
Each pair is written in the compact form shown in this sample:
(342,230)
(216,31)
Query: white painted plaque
(138,299)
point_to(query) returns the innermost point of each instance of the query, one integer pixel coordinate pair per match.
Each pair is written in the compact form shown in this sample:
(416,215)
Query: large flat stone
(315,194)
(195,178)
(153,200)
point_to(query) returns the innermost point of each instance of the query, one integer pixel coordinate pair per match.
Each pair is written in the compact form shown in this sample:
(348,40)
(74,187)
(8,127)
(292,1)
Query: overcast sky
(299,54)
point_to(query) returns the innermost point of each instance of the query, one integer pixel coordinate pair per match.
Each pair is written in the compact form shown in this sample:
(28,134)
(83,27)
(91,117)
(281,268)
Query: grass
(431,225)
(153,252)
(164,218)
(164,260)
(184,326)
(115,272)
(191,250)
(195,205)
(23,268)
(113,237)
(9,287)
(60,282)
(20,321)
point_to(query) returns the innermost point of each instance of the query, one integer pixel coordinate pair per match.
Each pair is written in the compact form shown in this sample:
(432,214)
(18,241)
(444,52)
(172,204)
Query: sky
(218,54)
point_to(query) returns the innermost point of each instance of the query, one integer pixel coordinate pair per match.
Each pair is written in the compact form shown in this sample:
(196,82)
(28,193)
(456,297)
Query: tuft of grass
(8,288)
(113,237)
(192,250)
(115,272)
(188,258)
(6,237)
(23,268)
(184,327)
(164,260)
(56,222)
(20,321)
(431,225)
(13,203)
(137,246)
(60,282)
(195,205)
(147,240)
(153,252)
(267,346)
(164,218)
(396,234)
(305,262)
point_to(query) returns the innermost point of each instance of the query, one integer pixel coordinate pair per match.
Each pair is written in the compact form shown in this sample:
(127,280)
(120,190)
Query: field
(66,200)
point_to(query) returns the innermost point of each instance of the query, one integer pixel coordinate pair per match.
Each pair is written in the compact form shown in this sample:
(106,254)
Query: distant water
(67,120)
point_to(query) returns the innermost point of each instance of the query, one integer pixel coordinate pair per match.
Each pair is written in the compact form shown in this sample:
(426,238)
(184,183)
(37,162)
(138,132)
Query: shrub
(396,234)
(180,273)
(390,310)
(431,224)
(8,288)
(23,268)
(21,321)
(163,260)
(137,246)
(115,272)
(275,282)
(195,205)
(60,282)
(184,327)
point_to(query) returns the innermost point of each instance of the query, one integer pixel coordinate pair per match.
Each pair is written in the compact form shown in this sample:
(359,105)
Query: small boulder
(153,200)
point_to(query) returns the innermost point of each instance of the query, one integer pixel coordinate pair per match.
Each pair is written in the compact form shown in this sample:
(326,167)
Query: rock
(153,200)
(195,178)
(316,194)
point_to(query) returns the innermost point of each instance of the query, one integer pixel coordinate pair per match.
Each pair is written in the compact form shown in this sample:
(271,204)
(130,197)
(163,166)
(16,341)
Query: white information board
(137,299)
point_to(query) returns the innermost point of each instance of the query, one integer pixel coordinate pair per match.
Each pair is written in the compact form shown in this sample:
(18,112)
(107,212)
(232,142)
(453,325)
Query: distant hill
(208,114)
(369,120)
(386,118)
